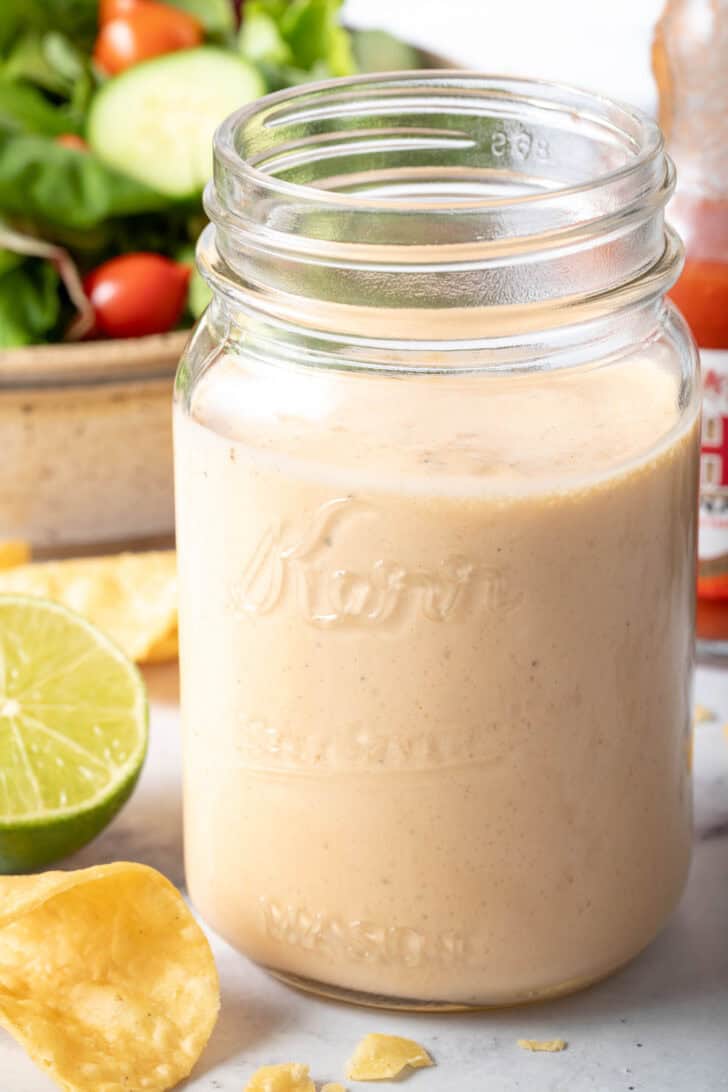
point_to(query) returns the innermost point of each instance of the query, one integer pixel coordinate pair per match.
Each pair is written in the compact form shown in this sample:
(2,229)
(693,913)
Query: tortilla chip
(287,1077)
(106,979)
(13,553)
(382,1057)
(132,597)
(547,1046)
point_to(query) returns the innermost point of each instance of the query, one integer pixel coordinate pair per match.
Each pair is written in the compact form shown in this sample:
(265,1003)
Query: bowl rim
(92,362)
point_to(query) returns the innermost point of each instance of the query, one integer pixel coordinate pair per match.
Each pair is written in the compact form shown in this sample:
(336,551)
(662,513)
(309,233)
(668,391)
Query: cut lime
(73,731)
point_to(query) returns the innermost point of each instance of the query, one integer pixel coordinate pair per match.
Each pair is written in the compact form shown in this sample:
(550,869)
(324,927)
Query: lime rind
(73,731)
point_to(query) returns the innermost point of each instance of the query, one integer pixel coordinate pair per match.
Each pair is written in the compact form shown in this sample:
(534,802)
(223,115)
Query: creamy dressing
(434,656)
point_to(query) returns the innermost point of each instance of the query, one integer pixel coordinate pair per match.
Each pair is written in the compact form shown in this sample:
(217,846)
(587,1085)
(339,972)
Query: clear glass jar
(436,476)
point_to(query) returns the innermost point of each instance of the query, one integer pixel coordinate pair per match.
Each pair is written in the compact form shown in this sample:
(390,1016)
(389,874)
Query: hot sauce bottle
(690,63)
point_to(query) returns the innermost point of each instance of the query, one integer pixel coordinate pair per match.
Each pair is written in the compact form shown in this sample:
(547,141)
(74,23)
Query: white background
(603,45)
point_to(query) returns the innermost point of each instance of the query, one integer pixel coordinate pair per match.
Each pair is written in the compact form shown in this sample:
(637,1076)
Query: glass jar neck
(442,210)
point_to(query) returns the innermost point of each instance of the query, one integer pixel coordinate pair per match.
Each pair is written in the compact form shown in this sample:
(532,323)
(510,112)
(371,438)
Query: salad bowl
(86,422)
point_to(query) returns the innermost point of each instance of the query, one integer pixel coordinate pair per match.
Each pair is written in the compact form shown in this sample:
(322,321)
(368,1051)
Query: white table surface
(660,1025)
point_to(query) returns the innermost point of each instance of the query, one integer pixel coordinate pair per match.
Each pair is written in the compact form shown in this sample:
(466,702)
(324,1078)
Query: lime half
(73,731)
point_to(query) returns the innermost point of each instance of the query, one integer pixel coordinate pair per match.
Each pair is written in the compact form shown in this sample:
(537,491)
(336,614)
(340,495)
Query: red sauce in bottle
(690,61)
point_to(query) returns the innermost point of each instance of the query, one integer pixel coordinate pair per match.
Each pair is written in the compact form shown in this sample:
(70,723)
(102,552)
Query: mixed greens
(107,108)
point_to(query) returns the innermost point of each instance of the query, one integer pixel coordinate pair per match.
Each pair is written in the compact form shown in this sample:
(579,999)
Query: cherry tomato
(148,30)
(137,294)
(702,295)
(72,140)
(113,9)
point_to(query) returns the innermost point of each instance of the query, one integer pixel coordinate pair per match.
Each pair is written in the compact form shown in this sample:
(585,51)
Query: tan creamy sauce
(435,648)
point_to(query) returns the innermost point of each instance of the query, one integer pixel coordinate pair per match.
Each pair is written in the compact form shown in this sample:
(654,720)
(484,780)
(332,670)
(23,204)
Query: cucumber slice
(155,121)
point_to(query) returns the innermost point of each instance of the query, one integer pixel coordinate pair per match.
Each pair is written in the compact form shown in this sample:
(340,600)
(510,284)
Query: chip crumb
(725,730)
(703,715)
(382,1057)
(546,1046)
(335,1087)
(286,1077)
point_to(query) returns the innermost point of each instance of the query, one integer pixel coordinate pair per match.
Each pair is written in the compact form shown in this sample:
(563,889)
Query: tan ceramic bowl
(86,459)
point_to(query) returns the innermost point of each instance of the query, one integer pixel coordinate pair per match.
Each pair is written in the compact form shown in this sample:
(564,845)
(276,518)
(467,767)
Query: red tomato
(72,140)
(702,295)
(148,30)
(137,294)
(112,9)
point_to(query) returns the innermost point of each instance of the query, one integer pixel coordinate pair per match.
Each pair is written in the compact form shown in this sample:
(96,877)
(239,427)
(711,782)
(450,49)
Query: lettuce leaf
(291,40)
(78,19)
(44,181)
(30,303)
(23,109)
(52,63)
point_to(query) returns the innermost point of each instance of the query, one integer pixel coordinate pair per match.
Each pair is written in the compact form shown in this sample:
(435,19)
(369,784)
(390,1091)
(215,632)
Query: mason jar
(436,474)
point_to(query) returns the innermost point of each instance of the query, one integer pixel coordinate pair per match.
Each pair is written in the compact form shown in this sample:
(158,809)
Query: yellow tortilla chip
(287,1077)
(132,597)
(547,1046)
(13,553)
(106,979)
(382,1057)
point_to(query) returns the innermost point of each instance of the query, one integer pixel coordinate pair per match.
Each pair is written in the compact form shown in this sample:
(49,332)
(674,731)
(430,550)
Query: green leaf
(54,64)
(30,303)
(261,41)
(216,16)
(9,260)
(78,19)
(24,109)
(313,32)
(63,56)
(199,294)
(42,180)
(300,36)
(379,51)
(27,61)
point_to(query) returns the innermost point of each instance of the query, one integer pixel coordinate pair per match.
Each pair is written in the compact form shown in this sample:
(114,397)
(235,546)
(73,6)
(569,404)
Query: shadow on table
(244,1022)
(148,831)
(162,683)
(253,1010)
(149,827)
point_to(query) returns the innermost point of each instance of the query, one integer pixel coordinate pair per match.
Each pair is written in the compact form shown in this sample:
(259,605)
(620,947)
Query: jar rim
(644,130)
(500,203)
